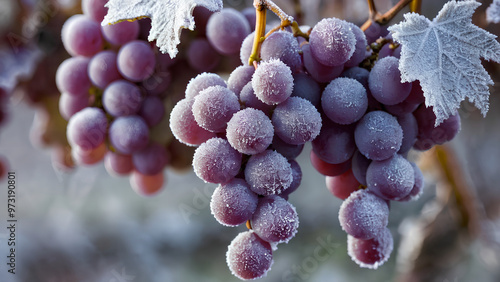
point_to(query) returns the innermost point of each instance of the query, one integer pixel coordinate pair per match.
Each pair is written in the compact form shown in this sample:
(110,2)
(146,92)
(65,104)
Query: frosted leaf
(168,17)
(493,12)
(444,55)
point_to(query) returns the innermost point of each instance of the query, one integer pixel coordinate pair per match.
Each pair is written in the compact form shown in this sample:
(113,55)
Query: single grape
(121,33)
(150,160)
(122,98)
(152,110)
(202,56)
(275,220)
(343,185)
(409,126)
(250,100)
(81,36)
(84,156)
(344,100)
(363,214)
(102,69)
(249,257)
(296,121)
(70,105)
(136,60)
(214,107)
(272,82)
(378,135)
(428,135)
(385,82)
(268,173)
(357,73)
(72,77)
(288,151)
(371,253)
(360,52)
(411,103)
(335,143)
(390,179)
(250,131)
(201,82)
(374,32)
(184,126)
(87,128)
(319,72)
(146,185)
(332,42)
(328,169)
(226,31)
(306,87)
(233,203)
(240,77)
(215,161)
(95,9)
(283,46)
(246,48)
(129,134)
(117,164)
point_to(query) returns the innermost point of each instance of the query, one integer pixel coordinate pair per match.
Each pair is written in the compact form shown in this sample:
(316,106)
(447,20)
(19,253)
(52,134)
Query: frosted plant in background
(493,12)
(168,18)
(444,55)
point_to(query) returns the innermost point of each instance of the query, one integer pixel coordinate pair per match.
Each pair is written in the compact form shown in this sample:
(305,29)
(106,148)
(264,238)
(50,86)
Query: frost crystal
(444,55)
(168,17)
(493,12)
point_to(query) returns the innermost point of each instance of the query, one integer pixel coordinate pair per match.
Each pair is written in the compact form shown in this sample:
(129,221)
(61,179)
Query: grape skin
(248,256)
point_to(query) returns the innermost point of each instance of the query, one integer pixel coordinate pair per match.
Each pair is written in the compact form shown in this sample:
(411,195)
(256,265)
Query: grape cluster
(113,94)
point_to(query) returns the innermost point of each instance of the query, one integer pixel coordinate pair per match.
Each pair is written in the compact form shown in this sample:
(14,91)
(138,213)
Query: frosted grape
(343,185)
(129,134)
(306,87)
(184,126)
(246,48)
(272,82)
(152,110)
(288,151)
(146,185)
(118,164)
(102,69)
(248,256)
(122,98)
(297,179)
(150,160)
(332,42)
(94,9)
(335,143)
(371,253)
(318,71)
(233,203)
(215,161)
(418,187)
(360,48)
(240,77)
(70,105)
(226,31)
(250,100)
(282,45)
(136,60)
(344,100)
(202,81)
(250,131)
(391,179)
(409,126)
(202,56)
(72,77)
(385,82)
(363,214)
(275,220)
(121,33)
(268,173)
(326,168)
(81,36)
(87,128)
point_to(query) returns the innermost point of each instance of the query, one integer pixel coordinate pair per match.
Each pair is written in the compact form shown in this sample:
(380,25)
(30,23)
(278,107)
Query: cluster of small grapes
(112,94)
(371,121)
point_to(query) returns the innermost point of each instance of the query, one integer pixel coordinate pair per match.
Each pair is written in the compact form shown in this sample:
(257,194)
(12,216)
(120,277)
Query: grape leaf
(444,55)
(493,12)
(168,17)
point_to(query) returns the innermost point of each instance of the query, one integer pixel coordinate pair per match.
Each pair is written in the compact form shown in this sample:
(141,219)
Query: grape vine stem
(386,17)
(260,26)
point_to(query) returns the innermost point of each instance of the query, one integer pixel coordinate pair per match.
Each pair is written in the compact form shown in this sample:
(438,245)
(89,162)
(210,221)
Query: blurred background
(81,224)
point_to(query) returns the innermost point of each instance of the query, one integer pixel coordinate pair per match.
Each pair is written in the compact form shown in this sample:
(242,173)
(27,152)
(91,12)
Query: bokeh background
(84,225)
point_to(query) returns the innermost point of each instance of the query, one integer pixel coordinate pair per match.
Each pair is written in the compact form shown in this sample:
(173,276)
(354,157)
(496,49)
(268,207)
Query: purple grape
(250,100)
(129,134)
(72,77)
(136,60)
(202,56)
(288,151)
(385,82)
(233,203)
(428,135)
(390,179)
(250,131)
(357,73)
(240,77)
(202,81)
(152,110)
(359,166)
(268,173)
(332,42)
(95,9)
(87,128)
(146,185)
(283,46)
(214,107)
(360,48)
(122,98)
(344,100)
(296,121)
(88,156)
(319,72)
(335,143)
(411,103)
(246,48)
(226,31)
(378,135)
(418,187)
(150,160)
(341,186)
(409,126)
(374,32)
(371,253)
(328,169)
(102,69)
(388,50)
(272,82)
(157,84)
(249,257)
(70,105)
(201,16)
(121,33)
(117,164)
(306,87)
(297,179)
(249,14)
(184,127)
(275,220)
(215,161)
(81,36)
(363,214)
